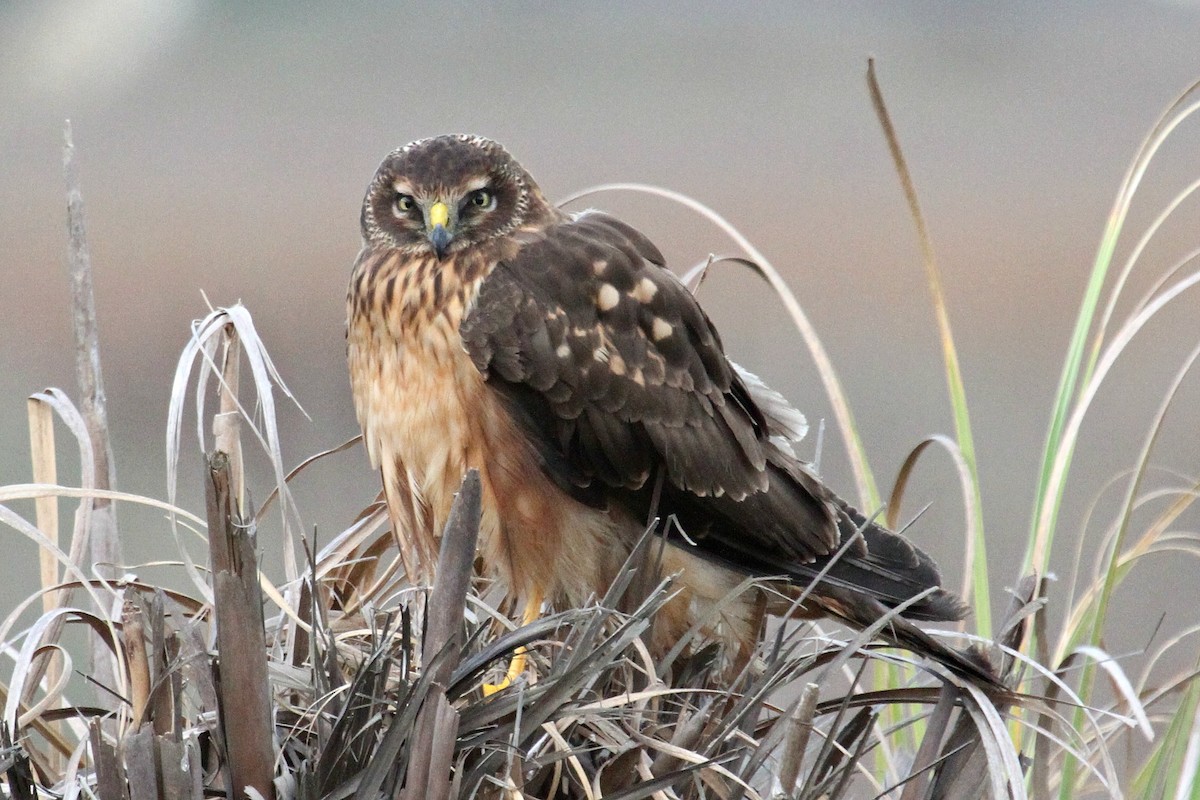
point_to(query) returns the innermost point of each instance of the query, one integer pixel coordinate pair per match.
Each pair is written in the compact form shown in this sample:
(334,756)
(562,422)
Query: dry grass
(358,685)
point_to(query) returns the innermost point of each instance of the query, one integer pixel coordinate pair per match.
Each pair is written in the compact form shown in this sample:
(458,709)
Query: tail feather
(851,567)
(893,570)
(861,611)
(867,576)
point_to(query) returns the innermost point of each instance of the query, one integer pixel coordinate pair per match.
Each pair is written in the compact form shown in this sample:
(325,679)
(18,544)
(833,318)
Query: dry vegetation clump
(355,684)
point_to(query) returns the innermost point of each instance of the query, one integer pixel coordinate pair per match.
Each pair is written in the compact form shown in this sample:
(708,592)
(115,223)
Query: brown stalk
(45,470)
(163,694)
(178,782)
(110,781)
(795,741)
(103,542)
(141,772)
(134,629)
(448,599)
(227,423)
(244,692)
(436,728)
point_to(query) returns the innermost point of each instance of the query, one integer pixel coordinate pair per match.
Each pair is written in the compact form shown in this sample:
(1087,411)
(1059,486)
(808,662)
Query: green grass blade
(1056,457)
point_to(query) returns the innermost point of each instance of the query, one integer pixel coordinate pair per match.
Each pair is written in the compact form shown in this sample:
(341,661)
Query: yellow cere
(439,214)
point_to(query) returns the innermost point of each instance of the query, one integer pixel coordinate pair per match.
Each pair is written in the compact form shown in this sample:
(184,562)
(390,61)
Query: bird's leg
(533,608)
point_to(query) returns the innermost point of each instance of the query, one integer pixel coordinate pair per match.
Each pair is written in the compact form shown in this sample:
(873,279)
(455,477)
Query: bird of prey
(557,355)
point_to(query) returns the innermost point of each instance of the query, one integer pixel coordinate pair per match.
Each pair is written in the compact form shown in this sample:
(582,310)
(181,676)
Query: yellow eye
(482,198)
(404,203)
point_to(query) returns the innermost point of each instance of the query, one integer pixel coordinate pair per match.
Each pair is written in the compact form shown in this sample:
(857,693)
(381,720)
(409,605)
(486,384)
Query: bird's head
(443,194)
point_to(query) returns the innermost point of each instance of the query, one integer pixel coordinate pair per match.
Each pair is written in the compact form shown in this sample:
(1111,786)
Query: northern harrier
(557,355)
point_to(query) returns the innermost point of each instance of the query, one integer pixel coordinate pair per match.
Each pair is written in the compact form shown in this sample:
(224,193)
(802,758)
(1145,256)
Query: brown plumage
(557,355)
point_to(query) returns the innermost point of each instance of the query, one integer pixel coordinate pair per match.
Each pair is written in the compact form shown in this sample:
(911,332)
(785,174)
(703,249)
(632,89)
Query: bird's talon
(515,668)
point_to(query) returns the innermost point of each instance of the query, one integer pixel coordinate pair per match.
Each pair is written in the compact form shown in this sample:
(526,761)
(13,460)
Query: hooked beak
(439,232)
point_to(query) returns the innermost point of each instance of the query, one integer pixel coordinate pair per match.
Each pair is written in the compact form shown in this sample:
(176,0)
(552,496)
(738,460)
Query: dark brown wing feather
(608,402)
(635,382)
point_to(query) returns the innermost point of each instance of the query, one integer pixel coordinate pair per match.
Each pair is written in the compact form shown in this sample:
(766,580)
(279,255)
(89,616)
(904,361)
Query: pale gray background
(225,148)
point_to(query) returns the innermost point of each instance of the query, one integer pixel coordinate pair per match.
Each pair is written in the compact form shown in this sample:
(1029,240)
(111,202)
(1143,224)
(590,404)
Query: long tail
(861,611)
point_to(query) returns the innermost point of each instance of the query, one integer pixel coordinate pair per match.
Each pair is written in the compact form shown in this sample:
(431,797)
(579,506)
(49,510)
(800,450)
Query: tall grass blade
(958,398)
(1076,375)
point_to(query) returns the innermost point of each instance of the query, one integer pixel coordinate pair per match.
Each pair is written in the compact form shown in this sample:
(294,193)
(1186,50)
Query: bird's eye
(482,198)
(403,204)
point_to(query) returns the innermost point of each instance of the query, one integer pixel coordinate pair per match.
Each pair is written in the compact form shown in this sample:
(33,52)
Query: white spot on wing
(608,297)
(661,329)
(644,291)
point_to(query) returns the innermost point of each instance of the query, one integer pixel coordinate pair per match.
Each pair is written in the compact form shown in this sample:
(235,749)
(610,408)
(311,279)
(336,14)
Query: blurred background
(224,148)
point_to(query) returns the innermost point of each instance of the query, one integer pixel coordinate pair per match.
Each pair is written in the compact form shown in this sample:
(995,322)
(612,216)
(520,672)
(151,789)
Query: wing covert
(587,325)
